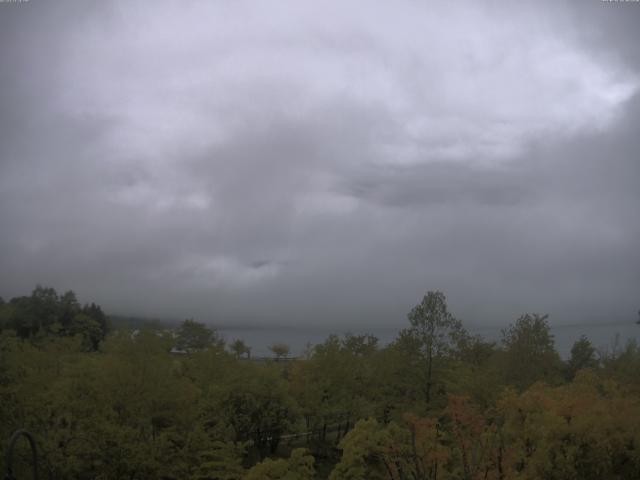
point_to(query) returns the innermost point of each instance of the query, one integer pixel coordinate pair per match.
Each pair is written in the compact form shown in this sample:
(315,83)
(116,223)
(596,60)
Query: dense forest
(107,402)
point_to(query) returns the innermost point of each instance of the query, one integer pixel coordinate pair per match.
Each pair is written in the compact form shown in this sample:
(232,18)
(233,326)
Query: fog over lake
(606,338)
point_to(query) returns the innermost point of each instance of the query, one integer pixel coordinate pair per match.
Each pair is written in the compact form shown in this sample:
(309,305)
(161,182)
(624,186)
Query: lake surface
(603,336)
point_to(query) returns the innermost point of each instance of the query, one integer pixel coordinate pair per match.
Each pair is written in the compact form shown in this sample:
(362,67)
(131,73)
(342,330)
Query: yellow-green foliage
(299,466)
(133,410)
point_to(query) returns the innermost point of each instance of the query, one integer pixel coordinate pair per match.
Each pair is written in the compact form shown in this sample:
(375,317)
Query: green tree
(257,405)
(413,450)
(36,313)
(94,311)
(6,316)
(435,332)
(87,328)
(239,348)
(44,313)
(360,345)
(194,336)
(623,365)
(335,387)
(583,355)
(530,351)
(222,461)
(299,466)
(363,453)
(69,308)
(45,305)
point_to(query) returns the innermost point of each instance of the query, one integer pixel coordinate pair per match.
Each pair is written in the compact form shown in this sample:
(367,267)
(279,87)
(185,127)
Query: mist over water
(605,338)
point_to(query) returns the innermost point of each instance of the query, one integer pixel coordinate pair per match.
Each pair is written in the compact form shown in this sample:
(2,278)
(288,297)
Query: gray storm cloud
(248,162)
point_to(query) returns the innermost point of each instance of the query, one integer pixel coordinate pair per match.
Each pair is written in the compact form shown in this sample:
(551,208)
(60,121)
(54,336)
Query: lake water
(602,336)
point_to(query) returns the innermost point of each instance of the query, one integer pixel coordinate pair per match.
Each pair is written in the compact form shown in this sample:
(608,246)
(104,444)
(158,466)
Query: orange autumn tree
(426,455)
(476,445)
(588,430)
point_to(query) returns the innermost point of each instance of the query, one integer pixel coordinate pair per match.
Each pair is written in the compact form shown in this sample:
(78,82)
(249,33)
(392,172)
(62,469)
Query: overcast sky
(323,163)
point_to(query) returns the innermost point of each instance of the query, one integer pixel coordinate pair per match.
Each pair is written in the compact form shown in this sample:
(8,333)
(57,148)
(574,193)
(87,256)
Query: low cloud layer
(325,164)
